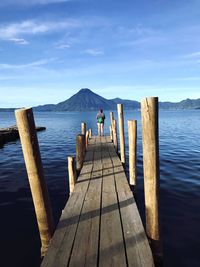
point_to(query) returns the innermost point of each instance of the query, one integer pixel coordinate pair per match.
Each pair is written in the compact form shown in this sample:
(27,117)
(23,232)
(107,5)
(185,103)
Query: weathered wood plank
(66,229)
(11,134)
(137,246)
(108,177)
(100,225)
(120,176)
(64,233)
(85,174)
(85,250)
(111,248)
(112,251)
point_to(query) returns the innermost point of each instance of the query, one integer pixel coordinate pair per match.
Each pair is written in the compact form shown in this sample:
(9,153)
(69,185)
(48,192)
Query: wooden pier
(11,133)
(100,225)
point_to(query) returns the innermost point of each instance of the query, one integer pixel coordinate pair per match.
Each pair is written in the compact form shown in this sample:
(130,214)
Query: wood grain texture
(121,132)
(100,225)
(150,142)
(132,140)
(34,167)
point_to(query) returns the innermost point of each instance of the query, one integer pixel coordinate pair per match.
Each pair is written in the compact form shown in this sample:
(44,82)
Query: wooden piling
(111,117)
(132,137)
(115,135)
(31,152)
(111,123)
(72,173)
(80,151)
(99,129)
(149,110)
(87,138)
(83,128)
(121,132)
(90,133)
(111,133)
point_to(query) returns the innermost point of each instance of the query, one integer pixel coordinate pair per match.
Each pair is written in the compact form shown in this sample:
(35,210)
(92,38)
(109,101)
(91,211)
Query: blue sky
(49,49)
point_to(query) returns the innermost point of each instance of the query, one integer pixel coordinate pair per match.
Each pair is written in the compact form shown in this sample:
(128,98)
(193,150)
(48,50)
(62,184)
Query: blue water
(179,183)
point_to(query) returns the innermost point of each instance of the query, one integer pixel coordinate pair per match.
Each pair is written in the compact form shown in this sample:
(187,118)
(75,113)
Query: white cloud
(30,2)
(38,63)
(94,52)
(194,55)
(188,78)
(63,46)
(14,32)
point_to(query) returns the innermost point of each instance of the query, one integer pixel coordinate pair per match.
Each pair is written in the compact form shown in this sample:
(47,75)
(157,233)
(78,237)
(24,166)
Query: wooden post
(31,152)
(115,135)
(87,138)
(99,129)
(80,151)
(90,133)
(121,132)
(111,133)
(83,128)
(132,137)
(72,173)
(111,123)
(149,110)
(111,117)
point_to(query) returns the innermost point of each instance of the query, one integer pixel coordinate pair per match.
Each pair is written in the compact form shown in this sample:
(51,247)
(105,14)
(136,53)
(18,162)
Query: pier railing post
(111,133)
(149,110)
(72,173)
(121,132)
(83,128)
(90,133)
(115,135)
(31,152)
(87,138)
(132,137)
(80,151)
(99,129)
(111,127)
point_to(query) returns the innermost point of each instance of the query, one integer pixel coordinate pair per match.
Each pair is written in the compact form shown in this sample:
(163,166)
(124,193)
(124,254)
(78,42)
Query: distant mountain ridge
(86,100)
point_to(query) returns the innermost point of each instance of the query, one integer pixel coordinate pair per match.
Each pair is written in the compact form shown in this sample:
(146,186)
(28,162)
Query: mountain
(86,100)
(127,104)
(190,103)
(184,104)
(7,109)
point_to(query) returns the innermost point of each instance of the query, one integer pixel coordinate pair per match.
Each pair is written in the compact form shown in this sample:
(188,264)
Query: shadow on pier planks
(100,225)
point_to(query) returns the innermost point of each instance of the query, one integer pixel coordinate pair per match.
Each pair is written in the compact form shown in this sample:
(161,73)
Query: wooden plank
(111,248)
(85,174)
(100,225)
(66,229)
(85,251)
(120,176)
(108,177)
(65,232)
(137,246)
(11,134)
(112,252)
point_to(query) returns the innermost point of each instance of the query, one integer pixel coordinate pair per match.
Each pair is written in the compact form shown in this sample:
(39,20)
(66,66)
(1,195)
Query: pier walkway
(11,133)
(100,225)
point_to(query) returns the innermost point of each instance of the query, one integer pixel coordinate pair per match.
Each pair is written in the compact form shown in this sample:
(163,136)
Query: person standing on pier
(100,122)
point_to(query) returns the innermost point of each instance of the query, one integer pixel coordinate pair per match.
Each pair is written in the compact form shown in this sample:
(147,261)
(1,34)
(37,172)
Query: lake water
(179,183)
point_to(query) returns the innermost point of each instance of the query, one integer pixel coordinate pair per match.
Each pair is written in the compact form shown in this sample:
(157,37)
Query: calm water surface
(179,193)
